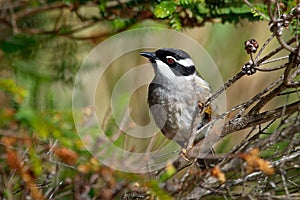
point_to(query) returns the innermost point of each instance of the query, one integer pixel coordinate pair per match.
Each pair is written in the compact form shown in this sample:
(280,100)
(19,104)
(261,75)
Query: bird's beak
(150,55)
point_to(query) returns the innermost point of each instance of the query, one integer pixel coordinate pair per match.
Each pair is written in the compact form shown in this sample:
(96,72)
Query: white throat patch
(164,69)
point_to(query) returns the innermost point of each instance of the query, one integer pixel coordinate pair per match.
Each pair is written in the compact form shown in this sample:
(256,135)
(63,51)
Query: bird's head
(171,62)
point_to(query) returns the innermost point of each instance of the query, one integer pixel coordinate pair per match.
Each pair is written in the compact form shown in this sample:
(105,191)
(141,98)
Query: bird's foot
(183,154)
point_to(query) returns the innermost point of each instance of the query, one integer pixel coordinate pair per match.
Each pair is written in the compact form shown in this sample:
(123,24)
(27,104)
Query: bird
(176,96)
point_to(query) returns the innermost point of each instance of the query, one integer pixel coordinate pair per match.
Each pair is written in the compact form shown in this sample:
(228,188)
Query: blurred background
(46,66)
(44,43)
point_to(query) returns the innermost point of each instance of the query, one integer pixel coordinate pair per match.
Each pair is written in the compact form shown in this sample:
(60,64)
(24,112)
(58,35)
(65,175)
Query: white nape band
(186,62)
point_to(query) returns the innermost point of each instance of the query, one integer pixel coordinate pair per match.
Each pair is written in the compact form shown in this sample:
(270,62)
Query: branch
(275,51)
(35,10)
(211,186)
(227,84)
(254,120)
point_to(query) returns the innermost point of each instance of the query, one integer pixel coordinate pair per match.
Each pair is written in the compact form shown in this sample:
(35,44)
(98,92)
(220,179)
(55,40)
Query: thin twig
(284,45)
(265,99)
(289,92)
(270,69)
(263,47)
(257,11)
(274,60)
(13,18)
(259,95)
(251,120)
(275,51)
(226,85)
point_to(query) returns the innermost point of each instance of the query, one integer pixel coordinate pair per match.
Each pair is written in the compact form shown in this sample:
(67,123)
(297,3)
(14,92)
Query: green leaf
(186,2)
(258,9)
(165,9)
(35,162)
(170,171)
(202,9)
(102,7)
(26,115)
(156,189)
(175,22)
(241,9)
(9,86)
(18,43)
(224,11)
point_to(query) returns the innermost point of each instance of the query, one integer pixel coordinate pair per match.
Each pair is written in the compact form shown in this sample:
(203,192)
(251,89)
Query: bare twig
(274,60)
(275,51)
(227,84)
(271,69)
(263,47)
(251,120)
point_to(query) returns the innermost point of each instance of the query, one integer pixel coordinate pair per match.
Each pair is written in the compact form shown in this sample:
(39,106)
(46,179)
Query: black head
(177,60)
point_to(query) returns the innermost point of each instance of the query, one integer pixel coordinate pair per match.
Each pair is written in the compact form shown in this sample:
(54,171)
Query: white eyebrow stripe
(170,57)
(186,62)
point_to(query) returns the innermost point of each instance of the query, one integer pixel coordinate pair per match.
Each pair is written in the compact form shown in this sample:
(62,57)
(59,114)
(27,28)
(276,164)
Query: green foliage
(260,9)
(156,189)
(224,145)
(189,2)
(294,26)
(175,22)
(19,43)
(170,171)
(102,6)
(201,11)
(9,86)
(165,9)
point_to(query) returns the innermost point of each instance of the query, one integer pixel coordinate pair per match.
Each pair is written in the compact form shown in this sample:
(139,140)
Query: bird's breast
(173,107)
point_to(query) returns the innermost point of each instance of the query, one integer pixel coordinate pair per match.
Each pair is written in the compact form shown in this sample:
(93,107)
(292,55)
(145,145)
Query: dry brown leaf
(254,162)
(66,155)
(217,173)
(13,160)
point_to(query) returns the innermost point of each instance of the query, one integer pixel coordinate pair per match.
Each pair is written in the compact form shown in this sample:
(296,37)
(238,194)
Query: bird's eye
(170,60)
